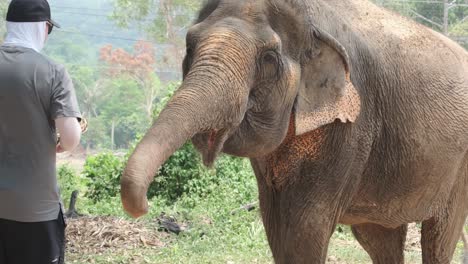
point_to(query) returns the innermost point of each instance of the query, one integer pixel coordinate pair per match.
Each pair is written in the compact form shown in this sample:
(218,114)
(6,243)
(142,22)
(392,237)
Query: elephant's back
(412,64)
(415,87)
(414,79)
(386,29)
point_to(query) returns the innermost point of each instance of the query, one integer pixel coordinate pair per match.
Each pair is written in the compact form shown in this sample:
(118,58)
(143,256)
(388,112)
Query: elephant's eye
(270,66)
(270,57)
(187,63)
(189,50)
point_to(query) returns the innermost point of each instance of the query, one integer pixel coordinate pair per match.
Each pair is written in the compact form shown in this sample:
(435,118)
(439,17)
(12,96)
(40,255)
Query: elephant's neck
(283,163)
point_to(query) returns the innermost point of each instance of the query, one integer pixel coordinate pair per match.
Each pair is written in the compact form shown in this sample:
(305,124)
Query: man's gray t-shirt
(34,91)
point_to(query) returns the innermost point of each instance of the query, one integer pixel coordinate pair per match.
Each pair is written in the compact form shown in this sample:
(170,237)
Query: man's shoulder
(46,61)
(37,58)
(48,65)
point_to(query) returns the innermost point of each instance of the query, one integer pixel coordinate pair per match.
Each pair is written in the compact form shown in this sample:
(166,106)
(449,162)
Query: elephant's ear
(326,92)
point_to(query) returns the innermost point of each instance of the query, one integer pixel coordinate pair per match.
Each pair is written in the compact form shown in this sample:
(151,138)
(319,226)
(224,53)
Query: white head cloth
(26,34)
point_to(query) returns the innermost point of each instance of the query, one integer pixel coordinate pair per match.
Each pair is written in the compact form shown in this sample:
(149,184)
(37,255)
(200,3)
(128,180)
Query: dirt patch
(95,235)
(75,159)
(413,238)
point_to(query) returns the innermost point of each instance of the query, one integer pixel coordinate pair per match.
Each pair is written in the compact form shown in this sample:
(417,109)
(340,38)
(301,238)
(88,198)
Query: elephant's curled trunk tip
(150,154)
(133,198)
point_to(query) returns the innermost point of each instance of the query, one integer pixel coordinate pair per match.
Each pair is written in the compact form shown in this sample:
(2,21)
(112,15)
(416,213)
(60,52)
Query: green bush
(229,172)
(103,172)
(68,181)
(184,174)
(237,175)
(174,176)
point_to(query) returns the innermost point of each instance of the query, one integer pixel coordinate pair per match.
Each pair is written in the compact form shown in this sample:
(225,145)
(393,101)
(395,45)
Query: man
(36,98)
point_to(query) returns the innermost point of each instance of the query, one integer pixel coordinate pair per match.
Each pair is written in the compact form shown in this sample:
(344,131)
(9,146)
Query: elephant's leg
(440,236)
(302,196)
(439,239)
(297,235)
(441,233)
(299,224)
(384,245)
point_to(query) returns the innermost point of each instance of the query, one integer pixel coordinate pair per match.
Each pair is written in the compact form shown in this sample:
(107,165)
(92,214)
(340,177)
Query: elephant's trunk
(153,150)
(209,100)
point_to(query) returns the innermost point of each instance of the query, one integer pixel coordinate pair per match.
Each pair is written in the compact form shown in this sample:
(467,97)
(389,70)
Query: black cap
(30,11)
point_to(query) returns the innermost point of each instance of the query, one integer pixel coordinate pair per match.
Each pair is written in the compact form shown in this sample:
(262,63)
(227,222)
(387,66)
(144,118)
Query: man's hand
(84,125)
(59,148)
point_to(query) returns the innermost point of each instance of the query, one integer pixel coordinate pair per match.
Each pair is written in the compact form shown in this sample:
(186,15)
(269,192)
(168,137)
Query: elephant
(350,114)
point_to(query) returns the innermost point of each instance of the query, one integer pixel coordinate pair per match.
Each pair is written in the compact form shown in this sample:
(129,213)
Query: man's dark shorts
(32,243)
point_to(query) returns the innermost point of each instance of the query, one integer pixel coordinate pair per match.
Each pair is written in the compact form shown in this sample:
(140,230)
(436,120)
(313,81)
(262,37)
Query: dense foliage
(181,176)
(69,181)
(176,176)
(103,174)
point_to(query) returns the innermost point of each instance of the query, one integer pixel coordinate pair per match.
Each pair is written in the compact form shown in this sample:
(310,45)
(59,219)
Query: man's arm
(70,133)
(65,111)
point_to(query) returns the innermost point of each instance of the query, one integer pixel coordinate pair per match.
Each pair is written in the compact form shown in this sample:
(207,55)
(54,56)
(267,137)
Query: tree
(90,88)
(121,111)
(164,21)
(3,10)
(139,65)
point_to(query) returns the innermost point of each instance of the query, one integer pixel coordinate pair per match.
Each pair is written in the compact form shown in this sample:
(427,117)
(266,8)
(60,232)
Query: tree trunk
(112,134)
(168,7)
(446,22)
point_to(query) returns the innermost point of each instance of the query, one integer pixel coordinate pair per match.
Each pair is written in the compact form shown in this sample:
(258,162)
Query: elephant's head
(249,66)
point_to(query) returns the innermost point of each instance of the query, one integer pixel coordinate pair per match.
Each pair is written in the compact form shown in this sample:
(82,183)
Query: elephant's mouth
(210,144)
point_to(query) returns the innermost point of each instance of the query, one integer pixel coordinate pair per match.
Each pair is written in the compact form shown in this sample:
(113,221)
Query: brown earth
(96,235)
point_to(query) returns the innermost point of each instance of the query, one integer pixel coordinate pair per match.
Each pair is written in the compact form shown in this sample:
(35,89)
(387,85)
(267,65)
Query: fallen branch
(71,212)
(248,207)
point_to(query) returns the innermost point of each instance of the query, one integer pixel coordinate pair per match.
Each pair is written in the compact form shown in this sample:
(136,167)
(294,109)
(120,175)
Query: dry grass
(96,235)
